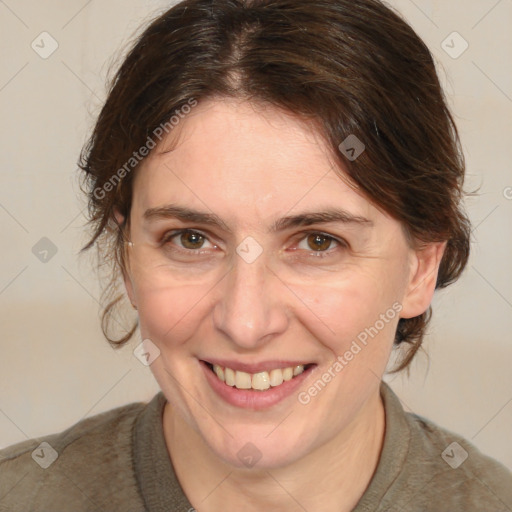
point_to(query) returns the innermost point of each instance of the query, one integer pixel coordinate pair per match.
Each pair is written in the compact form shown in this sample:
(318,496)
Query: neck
(331,478)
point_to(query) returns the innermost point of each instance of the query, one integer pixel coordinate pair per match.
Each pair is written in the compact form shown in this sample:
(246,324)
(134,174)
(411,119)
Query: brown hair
(355,67)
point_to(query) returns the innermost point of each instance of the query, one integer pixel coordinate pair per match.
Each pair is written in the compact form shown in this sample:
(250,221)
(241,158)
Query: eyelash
(169,236)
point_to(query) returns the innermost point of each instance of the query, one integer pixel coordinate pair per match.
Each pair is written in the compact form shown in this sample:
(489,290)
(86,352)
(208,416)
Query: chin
(261,450)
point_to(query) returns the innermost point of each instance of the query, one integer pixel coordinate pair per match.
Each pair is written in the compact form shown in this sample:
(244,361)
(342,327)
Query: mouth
(260,381)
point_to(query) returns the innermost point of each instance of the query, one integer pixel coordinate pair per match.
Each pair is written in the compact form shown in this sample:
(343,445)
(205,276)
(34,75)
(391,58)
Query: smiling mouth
(260,381)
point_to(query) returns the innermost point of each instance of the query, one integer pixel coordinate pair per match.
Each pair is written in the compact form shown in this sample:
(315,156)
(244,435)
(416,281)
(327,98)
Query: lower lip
(250,398)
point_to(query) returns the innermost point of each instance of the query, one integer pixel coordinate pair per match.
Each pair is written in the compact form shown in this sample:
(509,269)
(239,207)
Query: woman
(278,184)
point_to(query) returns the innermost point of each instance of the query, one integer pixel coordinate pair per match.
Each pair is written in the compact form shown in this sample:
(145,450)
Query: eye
(191,240)
(188,239)
(317,242)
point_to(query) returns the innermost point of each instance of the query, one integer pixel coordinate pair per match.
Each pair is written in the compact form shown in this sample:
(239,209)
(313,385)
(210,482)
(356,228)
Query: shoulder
(110,423)
(442,470)
(459,468)
(85,465)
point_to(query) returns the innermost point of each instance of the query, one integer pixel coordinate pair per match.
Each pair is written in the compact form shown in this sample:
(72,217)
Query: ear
(126,277)
(422,279)
(118,217)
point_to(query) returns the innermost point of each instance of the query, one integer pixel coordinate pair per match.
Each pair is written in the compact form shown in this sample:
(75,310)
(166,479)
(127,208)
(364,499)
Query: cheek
(171,314)
(361,308)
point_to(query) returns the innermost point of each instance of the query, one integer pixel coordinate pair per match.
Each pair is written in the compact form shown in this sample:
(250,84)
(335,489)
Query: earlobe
(118,217)
(422,280)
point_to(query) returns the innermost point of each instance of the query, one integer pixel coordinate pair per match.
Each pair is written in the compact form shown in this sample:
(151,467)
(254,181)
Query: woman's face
(281,264)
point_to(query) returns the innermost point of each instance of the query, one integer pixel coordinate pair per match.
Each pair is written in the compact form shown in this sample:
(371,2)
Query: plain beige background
(55,366)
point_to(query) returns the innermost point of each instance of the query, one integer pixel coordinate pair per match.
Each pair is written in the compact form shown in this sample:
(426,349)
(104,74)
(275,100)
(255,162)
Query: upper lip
(255,367)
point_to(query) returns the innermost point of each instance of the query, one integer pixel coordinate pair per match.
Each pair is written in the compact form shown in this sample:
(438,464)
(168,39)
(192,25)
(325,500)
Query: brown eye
(192,240)
(319,242)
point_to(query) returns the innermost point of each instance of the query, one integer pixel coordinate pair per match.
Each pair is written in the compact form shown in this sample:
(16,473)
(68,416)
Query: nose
(251,309)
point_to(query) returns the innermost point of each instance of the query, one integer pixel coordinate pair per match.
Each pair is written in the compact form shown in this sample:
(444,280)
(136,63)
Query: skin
(251,166)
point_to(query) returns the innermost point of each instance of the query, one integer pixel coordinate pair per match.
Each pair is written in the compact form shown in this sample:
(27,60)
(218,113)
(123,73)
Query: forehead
(238,158)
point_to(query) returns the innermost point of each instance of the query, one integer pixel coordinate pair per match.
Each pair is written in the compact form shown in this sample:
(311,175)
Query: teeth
(230,376)
(288,373)
(260,381)
(298,370)
(242,380)
(276,377)
(220,372)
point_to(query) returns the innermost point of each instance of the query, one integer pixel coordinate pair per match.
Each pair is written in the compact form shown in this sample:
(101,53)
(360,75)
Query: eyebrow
(184,214)
(323,217)
(291,221)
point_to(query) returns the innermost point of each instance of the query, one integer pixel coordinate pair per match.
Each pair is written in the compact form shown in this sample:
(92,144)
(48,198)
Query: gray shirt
(118,461)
